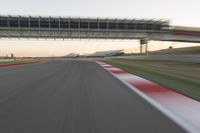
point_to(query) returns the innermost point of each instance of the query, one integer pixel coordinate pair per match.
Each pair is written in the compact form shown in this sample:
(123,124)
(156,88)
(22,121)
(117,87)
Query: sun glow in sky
(59,48)
(180,12)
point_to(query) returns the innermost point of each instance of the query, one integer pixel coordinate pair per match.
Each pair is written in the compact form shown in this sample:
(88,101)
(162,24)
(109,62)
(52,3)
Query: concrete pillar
(146,49)
(143,42)
(141,48)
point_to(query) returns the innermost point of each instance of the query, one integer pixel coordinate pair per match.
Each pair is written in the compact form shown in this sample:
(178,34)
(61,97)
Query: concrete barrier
(183,58)
(5,60)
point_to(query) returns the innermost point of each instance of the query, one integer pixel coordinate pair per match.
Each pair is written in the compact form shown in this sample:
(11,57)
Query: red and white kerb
(184,110)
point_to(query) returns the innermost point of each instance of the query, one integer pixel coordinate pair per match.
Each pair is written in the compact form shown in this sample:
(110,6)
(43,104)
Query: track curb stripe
(183,110)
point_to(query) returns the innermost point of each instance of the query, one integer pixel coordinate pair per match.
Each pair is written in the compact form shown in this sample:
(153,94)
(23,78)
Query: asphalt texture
(73,96)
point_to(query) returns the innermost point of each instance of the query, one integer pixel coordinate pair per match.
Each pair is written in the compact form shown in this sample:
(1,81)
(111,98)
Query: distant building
(107,53)
(71,55)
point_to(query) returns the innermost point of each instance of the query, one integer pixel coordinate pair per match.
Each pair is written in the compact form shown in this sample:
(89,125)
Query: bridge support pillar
(143,42)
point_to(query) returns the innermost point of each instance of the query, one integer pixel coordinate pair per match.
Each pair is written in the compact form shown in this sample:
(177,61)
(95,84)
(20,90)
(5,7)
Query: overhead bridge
(94,28)
(50,27)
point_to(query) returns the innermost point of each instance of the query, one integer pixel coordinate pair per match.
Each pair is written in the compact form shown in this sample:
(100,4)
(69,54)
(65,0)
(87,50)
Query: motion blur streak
(182,109)
(73,96)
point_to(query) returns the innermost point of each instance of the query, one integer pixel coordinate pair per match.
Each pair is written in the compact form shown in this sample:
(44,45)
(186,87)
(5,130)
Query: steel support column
(143,42)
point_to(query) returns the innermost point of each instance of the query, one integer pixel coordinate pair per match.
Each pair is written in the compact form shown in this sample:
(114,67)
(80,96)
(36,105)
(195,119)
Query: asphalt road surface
(73,97)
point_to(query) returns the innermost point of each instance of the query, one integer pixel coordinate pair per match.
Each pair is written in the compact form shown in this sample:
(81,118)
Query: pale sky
(180,12)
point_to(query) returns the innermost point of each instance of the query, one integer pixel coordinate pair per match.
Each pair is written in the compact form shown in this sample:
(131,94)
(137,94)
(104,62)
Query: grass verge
(17,62)
(180,76)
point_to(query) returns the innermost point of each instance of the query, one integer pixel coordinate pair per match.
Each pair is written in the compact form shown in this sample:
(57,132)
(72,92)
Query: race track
(73,96)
